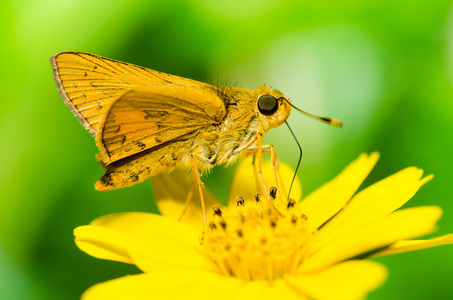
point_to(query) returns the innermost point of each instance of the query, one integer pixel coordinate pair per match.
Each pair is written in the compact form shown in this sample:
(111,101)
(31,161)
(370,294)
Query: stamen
(273,223)
(217,210)
(258,198)
(257,243)
(291,203)
(273,192)
(212,225)
(223,224)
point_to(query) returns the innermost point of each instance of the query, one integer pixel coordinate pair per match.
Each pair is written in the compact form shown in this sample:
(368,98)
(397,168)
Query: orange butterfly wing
(88,83)
(151,116)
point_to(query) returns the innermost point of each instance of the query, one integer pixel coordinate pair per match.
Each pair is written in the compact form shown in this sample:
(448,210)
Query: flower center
(255,241)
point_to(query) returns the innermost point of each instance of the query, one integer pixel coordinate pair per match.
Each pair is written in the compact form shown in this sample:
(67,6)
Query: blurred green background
(384,67)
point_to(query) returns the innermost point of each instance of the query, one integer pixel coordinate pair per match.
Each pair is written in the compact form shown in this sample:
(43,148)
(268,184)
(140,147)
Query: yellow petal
(163,241)
(403,224)
(376,201)
(147,226)
(326,201)
(349,280)
(278,289)
(97,242)
(407,246)
(173,209)
(247,184)
(171,191)
(152,263)
(166,285)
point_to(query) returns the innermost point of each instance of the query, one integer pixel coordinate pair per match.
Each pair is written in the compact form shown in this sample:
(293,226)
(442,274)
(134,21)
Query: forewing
(88,83)
(151,116)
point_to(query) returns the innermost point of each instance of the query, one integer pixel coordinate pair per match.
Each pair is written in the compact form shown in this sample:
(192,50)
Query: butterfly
(145,122)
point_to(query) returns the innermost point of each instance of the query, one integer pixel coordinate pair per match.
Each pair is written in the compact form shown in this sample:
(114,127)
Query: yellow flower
(312,249)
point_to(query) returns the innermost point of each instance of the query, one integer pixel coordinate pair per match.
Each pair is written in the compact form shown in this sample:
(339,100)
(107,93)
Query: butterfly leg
(188,199)
(280,184)
(255,175)
(199,184)
(256,148)
(274,164)
(259,153)
(267,149)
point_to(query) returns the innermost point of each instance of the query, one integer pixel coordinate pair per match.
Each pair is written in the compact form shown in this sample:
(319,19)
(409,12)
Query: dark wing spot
(153,114)
(107,179)
(134,177)
(141,145)
(112,129)
(114,140)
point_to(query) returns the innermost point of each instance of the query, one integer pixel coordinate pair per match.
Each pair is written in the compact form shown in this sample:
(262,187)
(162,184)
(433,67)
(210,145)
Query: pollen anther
(273,192)
(256,242)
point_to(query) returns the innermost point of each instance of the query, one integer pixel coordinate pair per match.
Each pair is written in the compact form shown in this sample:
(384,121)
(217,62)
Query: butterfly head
(272,106)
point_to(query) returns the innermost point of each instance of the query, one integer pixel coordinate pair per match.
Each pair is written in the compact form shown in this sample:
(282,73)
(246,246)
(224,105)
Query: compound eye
(267,105)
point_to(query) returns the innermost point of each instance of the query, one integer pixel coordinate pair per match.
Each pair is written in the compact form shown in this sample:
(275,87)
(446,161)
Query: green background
(384,67)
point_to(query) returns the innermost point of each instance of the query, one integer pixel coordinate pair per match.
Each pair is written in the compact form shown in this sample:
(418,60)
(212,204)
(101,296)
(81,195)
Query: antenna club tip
(336,123)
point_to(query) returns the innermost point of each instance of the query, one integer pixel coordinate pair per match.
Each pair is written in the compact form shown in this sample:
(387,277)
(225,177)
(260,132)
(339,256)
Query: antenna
(330,121)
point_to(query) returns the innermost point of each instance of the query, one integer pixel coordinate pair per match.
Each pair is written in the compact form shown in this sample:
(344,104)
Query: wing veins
(132,142)
(97,99)
(101,66)
(201,109)
(96,89)
(85,70)
(142,129)
(92,79)
(134,156)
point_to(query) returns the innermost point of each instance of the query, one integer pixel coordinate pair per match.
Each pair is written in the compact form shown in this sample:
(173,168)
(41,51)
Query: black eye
(267,105)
